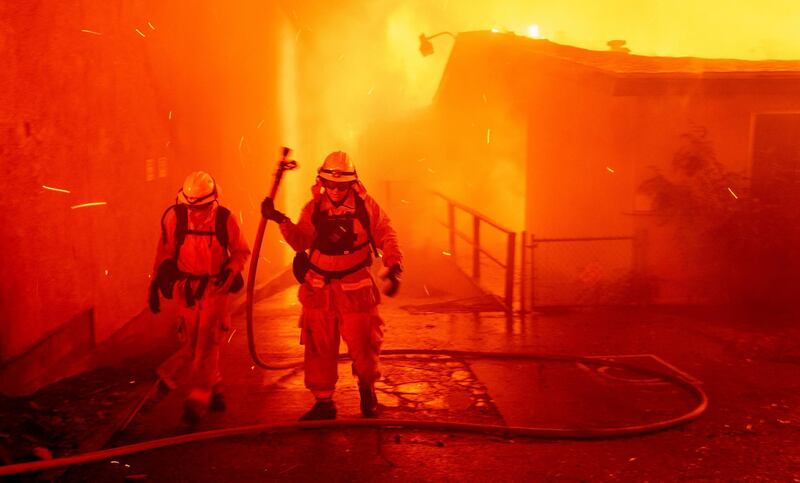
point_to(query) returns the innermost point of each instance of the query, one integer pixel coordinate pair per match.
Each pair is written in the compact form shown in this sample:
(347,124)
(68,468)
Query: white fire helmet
(198,189)
(338,167)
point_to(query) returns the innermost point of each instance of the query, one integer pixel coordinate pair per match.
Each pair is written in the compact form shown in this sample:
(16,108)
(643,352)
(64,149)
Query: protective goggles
(337,173)
(336,185)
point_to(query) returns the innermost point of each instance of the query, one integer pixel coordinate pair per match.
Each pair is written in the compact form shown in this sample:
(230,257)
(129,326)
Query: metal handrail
(477,220)
(580,239)
(473,212)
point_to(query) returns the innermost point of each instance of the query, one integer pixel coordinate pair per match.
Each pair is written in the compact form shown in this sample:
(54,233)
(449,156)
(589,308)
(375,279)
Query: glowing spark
(241,141)
(114,462)
(241,217)
(426,290)
(149,276)
(281,241)
(152,27)
(488,135)
(132,381)
(610,170)
(252,368)
(86,205)
(405,202)
(431,171)
(260,124)
(732,193)
(87,31)
(495,30)
(447,254)
(106,272)
(139,32)
(533,31)
(56,189)
(170,115)
(231,336)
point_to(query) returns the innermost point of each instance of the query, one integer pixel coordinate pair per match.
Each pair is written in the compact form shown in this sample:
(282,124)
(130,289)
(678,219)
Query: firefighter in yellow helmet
(339,232)
(199,259)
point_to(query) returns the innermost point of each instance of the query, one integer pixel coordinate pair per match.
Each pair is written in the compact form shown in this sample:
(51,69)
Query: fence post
(522,263)
(476,248)
(510,251)
(640,240)
(451,220)
(532,289)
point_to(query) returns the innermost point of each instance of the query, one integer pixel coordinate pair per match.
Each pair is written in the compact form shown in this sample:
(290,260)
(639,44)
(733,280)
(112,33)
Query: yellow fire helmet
(338,167)
(199,188)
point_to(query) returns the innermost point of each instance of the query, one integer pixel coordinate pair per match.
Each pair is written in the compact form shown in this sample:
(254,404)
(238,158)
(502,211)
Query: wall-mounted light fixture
(425,45)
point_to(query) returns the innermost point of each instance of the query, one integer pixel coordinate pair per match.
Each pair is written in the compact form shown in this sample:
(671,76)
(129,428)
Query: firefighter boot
(193,412)
(369,401)
(324,408)
(217,402)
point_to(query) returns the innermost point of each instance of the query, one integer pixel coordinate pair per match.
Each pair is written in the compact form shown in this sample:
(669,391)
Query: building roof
(629,64)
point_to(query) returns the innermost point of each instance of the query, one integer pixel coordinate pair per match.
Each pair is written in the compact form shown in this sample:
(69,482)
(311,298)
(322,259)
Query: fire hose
(578,433)
(283,165)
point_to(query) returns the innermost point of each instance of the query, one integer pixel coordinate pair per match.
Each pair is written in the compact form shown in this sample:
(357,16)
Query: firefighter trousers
(201,329)
(339,309)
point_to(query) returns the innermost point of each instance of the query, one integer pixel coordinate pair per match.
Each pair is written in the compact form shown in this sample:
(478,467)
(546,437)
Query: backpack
(302,263)
(182,227)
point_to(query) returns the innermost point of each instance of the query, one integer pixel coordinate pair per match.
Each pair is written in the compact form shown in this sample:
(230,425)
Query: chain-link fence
(527,272)
(582,271)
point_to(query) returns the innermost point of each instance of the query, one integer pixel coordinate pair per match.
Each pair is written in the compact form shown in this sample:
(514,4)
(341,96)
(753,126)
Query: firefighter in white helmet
(336,237)
(200,256)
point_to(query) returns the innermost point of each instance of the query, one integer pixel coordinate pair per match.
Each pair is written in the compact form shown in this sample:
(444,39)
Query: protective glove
(166,277)
(393,276)
(229,281)
(269,212)
(153,300)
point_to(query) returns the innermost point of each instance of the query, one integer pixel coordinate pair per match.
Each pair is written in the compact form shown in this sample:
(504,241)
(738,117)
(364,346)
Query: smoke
(362,85)
(359,62)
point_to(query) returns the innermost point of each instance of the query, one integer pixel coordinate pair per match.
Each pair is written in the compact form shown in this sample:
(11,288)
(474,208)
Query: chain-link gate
(586,271)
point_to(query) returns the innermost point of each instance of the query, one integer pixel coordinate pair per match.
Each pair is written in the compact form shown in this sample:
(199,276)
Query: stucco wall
(91,106)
